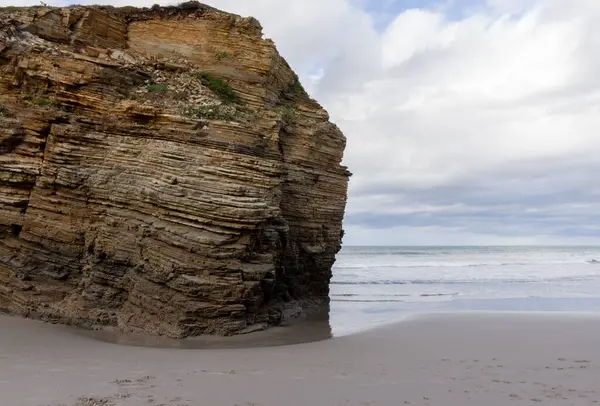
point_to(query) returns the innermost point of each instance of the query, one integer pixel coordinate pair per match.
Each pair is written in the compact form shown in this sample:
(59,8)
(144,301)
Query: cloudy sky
(468,121)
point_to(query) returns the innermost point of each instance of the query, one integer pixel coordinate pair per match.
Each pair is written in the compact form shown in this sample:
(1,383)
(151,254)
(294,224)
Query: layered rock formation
(161,170)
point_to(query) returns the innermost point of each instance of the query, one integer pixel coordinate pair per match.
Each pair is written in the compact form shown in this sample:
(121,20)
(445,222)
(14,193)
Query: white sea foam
(475,272)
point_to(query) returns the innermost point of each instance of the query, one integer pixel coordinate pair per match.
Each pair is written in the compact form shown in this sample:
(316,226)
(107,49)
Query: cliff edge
(162,171)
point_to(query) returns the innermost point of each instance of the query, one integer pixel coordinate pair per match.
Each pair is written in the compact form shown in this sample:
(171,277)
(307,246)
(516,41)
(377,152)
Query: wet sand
(457,359)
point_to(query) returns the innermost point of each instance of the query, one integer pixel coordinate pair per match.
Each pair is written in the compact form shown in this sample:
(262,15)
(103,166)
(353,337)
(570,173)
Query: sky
(469,122)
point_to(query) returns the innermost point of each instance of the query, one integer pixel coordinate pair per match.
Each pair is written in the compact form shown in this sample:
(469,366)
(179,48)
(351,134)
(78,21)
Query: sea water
(375,285)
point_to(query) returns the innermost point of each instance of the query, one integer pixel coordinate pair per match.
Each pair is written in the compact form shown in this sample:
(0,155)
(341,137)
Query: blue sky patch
(384,11)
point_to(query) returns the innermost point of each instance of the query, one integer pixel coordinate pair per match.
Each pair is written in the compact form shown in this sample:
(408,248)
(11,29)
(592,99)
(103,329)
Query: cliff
(161,170)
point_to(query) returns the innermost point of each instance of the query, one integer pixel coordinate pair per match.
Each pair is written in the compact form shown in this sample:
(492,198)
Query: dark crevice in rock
(16,229)
(11,143)
(44,134)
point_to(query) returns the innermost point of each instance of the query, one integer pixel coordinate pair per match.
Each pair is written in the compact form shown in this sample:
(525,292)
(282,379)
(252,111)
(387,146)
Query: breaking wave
(462,281)
(457,264)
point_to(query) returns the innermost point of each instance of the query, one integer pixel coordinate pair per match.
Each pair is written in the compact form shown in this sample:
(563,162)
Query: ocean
(377,285)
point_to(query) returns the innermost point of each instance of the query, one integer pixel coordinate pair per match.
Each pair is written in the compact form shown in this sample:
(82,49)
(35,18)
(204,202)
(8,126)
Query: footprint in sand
(145,379)
(122,382)
(94,401)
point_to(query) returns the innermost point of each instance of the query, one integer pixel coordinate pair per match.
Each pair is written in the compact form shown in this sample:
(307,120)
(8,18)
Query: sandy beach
(445,359)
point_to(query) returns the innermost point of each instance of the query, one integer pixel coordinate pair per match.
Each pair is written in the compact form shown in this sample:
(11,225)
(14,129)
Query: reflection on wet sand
(312,327)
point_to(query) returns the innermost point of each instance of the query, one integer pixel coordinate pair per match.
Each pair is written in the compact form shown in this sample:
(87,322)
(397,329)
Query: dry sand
(448,360)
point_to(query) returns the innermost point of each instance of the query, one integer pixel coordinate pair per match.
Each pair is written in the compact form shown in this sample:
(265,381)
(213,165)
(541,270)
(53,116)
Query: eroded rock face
(161,170)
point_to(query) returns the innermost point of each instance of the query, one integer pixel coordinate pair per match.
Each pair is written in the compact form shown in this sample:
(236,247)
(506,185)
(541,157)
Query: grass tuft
(295,90)
(158,88)
(41,101)
(220,87)
(288,113)
(222,55)
(14,8)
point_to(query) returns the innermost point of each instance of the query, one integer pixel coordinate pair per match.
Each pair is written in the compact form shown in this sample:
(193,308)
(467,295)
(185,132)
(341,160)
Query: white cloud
(494,115)
(455,99)
(442,236)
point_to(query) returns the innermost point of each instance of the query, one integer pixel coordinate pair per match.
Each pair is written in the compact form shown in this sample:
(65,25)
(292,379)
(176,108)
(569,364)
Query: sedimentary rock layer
(161,170)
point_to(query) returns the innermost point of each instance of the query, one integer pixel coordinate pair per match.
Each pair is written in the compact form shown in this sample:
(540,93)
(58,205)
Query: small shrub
(190,5)
(297,87)
(41,101)
(219,87)
(158,88)
(3,110)
(14,8)
(209,112)
(288,113)
(128,9)
(295,90)
(45,102)
(221,55)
